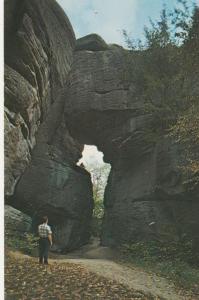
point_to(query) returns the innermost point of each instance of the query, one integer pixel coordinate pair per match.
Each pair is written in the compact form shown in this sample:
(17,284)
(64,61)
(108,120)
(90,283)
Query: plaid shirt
(44,230)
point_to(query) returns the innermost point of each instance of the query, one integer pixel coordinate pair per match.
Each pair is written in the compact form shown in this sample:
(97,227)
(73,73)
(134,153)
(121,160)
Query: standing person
(45,240)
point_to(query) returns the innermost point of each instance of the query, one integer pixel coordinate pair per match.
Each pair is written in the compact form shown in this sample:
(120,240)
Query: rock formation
(16,222)
(41,176)
(61,94)
(145,197)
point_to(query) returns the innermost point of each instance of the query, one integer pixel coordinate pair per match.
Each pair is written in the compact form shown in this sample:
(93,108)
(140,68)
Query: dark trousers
(44,246)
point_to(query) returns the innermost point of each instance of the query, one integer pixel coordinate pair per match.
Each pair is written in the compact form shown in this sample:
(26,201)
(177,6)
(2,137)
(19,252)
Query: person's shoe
(45,263)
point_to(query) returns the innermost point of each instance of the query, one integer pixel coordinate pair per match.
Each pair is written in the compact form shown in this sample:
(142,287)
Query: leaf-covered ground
(26,279)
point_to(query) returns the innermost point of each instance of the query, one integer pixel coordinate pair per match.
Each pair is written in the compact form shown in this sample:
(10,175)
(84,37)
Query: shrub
(174,260)
(181,250)
(27,242)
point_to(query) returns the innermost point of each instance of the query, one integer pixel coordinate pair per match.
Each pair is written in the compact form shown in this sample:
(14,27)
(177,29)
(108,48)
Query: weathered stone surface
(92,42)
(52,110)
(16,221)
(61,192)
(22,118)
(16,150)
(41,175)
(39,56)
(100,100)
(145,197)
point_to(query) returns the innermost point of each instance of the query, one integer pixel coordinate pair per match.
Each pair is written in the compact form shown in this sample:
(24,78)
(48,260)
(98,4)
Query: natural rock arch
(60,94)
(144,197)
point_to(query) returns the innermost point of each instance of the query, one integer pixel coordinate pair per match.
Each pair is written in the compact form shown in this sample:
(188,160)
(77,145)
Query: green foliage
(164,73)
(27,242)
(181,20)
(186,132)
(99,208)
(98,213)
(161,251)
(99,175)
(158,36)
(174,260)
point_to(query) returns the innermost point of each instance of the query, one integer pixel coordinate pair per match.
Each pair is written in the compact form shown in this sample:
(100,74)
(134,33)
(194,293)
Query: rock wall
(145,200)
(41,176)
(145,197)
(61,94)
(37,65)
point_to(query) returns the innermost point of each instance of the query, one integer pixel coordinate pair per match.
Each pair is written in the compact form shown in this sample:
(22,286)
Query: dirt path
(26,279)
(100,261)
(151,285)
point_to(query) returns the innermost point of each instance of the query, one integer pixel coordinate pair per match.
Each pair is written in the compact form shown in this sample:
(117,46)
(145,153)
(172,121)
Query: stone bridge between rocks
(61,94)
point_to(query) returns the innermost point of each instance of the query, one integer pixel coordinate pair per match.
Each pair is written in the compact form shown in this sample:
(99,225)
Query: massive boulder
(37,64)
(16,222)
(145,197)
(41,176)
(91,42)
